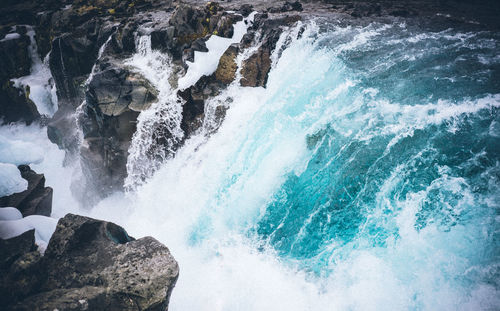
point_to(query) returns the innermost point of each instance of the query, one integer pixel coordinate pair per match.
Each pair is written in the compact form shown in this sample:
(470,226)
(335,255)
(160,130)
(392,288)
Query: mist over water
(364,177)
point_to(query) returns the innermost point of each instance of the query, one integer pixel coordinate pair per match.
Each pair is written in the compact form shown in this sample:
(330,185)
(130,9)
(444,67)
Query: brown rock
(256,68)
(226,70)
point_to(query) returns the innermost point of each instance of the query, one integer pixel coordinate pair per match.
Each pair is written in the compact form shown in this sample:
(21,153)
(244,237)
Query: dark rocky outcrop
(115,97)
(14,248)
(255,69)
(15,105)
(15,62)
(36,200)
(88,265)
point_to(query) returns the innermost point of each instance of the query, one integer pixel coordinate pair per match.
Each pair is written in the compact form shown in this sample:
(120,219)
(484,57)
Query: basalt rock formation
(88,265)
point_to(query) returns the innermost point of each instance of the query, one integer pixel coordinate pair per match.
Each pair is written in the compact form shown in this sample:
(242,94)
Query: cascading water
(42,90)
(365,176)
(159,132)
(158,128)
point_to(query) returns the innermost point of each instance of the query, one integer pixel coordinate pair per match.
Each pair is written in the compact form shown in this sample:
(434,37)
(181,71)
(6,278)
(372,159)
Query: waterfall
(158,128)
(40,81)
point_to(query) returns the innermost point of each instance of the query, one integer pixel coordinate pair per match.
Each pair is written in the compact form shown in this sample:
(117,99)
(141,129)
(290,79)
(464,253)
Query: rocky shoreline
(88,46)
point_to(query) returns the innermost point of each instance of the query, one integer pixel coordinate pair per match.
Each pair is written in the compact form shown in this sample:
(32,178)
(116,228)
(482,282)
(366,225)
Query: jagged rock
(116,90)
(191,23)
(226,70)
(287,7)
(15,60)
(193,110)
(255,69)
(15,105)
(20,272)
(62,129)
(91,265)
(72,58)
(14,248)
(36,200)
(246,9)
(115,97)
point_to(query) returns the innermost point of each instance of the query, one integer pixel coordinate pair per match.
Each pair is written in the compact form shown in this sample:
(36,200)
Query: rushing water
(365,176)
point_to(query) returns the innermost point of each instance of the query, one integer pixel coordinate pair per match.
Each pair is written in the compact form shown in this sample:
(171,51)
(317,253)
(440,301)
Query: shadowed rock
(36,200)
(92,265)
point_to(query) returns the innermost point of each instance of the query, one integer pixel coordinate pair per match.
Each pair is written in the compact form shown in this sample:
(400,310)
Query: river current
(365,176)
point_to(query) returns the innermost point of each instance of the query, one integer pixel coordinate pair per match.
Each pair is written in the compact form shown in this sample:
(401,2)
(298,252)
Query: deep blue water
(411,155)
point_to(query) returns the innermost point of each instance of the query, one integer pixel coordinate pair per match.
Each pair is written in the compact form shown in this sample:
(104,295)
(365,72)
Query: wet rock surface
(89,265)
(36,200)
(114,99)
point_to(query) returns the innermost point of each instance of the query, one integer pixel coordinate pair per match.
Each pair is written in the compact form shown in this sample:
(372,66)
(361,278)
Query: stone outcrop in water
(36,200)
(114,99)
(15,62)
(88,265)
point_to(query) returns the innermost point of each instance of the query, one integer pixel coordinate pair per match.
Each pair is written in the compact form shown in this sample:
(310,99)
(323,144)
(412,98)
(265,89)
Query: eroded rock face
(226,70)
(114,99)
(36,200)
(255,69)
(14,56)
(15,62)
(90,265)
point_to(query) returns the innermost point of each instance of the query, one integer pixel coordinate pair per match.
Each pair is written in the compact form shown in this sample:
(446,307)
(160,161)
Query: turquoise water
(408,165)
(364,177)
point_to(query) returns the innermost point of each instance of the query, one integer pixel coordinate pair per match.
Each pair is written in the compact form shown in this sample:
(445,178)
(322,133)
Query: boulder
(14,248)
(92,265)
(36,200)
(115,97)
(20,272)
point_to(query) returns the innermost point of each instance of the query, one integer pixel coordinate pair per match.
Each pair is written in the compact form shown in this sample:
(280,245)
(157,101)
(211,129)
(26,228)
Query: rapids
(364,177)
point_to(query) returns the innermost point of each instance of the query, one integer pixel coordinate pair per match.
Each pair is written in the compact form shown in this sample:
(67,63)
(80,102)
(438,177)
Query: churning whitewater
(365,176)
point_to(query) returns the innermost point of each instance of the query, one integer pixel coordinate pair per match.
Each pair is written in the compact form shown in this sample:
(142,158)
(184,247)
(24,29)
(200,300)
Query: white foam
(44,228)
(40,82)
(11,36)
(20,144)
(10,213)
(11,180)
(17,151)
(202,202)
(205,63)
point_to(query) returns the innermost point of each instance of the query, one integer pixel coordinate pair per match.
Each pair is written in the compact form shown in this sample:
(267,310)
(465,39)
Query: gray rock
(115,97)
(15,247)
(94,265)
(36,200)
